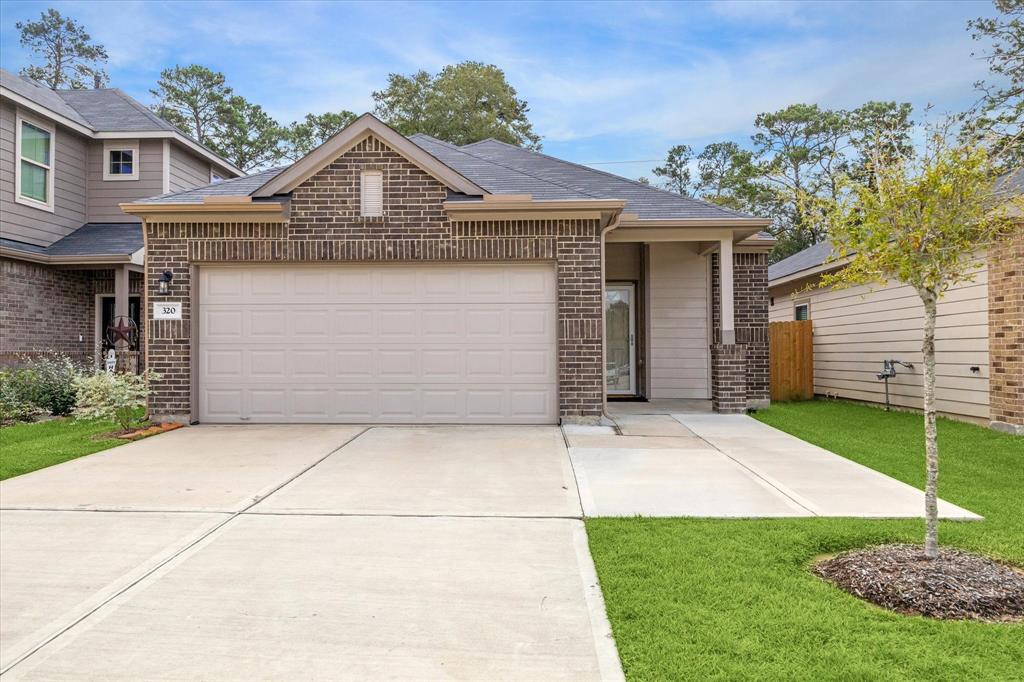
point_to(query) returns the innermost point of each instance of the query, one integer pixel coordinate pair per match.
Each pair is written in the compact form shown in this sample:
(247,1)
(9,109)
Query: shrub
(53,382)
(116,397)
(15,405)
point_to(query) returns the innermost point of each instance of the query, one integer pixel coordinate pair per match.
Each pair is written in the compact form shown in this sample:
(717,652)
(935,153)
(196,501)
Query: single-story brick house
(408,280)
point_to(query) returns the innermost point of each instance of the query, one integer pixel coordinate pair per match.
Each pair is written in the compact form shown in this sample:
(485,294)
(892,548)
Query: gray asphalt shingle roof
(109,110)
(501,168)
(103,110)
(237,187)
(810,257)
(91,239)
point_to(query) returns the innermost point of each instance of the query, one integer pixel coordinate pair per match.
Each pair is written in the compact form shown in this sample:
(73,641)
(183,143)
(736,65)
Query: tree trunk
(931,445)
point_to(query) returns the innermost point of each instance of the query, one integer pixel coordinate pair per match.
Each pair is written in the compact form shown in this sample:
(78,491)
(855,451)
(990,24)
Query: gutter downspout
(612,224)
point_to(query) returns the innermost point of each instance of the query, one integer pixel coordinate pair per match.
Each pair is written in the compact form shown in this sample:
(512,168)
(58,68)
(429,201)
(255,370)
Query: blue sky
(605,81)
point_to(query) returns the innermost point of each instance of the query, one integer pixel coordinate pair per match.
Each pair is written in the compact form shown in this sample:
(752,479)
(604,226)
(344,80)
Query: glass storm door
(620,338)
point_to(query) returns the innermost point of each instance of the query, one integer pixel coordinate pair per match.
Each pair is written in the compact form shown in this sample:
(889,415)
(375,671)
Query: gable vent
(371,196)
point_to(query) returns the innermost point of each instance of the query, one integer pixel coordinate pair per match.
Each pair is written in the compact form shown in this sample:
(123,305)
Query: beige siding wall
(856,329)
(187,169)
(105,195)
(622,262)
(32,225)
(677,307)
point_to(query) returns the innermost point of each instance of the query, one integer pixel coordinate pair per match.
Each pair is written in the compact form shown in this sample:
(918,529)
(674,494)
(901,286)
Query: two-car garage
(423,343)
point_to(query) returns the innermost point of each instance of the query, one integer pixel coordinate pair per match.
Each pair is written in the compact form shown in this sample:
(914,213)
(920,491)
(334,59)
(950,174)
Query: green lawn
(27,447)
(732,599)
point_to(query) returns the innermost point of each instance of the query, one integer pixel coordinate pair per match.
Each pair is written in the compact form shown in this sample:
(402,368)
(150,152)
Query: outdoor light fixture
(165,281)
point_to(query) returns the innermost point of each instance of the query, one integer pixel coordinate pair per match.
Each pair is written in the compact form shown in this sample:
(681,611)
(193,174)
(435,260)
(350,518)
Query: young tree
(462,104)
(920,223)
(71,58)
(999,115)
(194,99)
(249,136)
(675,173)
(305,136)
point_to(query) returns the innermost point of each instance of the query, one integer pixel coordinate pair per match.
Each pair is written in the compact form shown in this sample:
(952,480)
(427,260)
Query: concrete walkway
(304,552)
(713,465)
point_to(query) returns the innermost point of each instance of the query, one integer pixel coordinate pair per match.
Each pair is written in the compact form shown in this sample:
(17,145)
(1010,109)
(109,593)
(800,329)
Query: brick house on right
(980,334)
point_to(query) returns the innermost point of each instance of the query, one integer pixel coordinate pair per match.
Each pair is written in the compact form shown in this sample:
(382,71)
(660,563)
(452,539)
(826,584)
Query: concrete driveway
(304,552)
(340,552)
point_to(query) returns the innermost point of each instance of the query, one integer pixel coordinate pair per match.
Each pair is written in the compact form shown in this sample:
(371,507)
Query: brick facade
(729,370)
(1006,335)
(325,225)
(750,318)
(45,309)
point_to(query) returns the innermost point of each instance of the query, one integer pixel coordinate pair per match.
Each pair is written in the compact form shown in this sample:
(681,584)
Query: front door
(620,338)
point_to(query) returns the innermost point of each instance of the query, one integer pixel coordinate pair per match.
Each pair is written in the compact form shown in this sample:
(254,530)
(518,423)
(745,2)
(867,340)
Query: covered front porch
(686,317)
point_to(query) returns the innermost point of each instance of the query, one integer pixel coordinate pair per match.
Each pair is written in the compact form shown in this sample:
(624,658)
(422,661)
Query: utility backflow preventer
(889,371)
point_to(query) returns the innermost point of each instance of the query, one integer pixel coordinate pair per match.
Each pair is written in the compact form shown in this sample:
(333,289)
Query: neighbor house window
(34,171)
(121,160)
(802,311)
(371,195)
(215,177)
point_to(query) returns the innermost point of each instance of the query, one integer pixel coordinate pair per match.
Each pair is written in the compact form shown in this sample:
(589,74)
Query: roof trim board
(350,136)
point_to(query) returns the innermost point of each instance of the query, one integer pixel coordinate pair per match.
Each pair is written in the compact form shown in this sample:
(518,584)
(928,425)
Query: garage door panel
(405,344)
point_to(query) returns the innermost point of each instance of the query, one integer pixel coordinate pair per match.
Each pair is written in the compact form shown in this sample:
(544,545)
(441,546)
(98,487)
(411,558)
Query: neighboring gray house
(70,259)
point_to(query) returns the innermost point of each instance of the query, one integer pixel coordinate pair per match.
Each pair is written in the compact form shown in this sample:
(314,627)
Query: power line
(608,163)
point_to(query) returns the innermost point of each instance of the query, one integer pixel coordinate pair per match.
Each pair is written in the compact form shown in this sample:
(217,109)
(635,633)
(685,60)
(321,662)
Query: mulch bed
(956,586)
(142,432)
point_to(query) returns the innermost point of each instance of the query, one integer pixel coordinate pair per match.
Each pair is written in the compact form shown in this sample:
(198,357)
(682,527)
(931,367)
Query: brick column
(728,378)
(1006,335)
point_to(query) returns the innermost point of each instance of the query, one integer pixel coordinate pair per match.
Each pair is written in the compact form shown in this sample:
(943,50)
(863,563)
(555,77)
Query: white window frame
(121,146)
(215,176)
(805,303)
(50,170)
(362,193)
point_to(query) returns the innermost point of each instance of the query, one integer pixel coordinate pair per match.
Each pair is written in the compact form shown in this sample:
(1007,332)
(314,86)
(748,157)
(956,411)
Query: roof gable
(357,131)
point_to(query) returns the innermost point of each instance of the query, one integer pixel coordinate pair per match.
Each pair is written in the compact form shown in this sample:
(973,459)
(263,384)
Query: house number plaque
(167,310)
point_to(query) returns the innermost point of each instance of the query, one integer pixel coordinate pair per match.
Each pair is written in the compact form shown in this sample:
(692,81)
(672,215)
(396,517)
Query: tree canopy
(70,58)
(999,115)
(462,104)
(304,136)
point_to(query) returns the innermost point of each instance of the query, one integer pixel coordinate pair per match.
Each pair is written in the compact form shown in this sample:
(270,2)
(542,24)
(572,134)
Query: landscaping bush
(115,397)
(43,385)
(15,405)
(53,378)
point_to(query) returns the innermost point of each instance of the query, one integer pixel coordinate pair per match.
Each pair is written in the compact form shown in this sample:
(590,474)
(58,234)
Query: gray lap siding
(324,225)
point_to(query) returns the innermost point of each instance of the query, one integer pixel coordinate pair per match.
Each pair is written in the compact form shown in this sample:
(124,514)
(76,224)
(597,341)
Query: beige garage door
(394,343)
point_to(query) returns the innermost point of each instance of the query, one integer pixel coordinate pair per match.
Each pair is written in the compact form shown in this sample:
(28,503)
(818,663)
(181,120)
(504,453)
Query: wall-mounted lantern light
(165,281)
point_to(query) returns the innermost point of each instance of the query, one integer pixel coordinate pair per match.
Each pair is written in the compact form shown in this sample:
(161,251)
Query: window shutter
(371,197)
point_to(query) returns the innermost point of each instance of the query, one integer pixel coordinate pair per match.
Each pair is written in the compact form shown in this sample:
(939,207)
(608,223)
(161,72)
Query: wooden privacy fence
(791,360)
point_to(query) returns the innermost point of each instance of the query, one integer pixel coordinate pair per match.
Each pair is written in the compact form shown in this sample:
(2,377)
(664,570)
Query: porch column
(121,298)
(725,284)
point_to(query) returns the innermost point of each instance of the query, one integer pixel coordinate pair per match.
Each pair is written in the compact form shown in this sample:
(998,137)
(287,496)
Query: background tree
(999,115)
(920,223)
(194,99)
(70,57)
(675,173)
(801,152)
(728,175)
(462,104)
(304,136)
(249,136)
(881,130)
